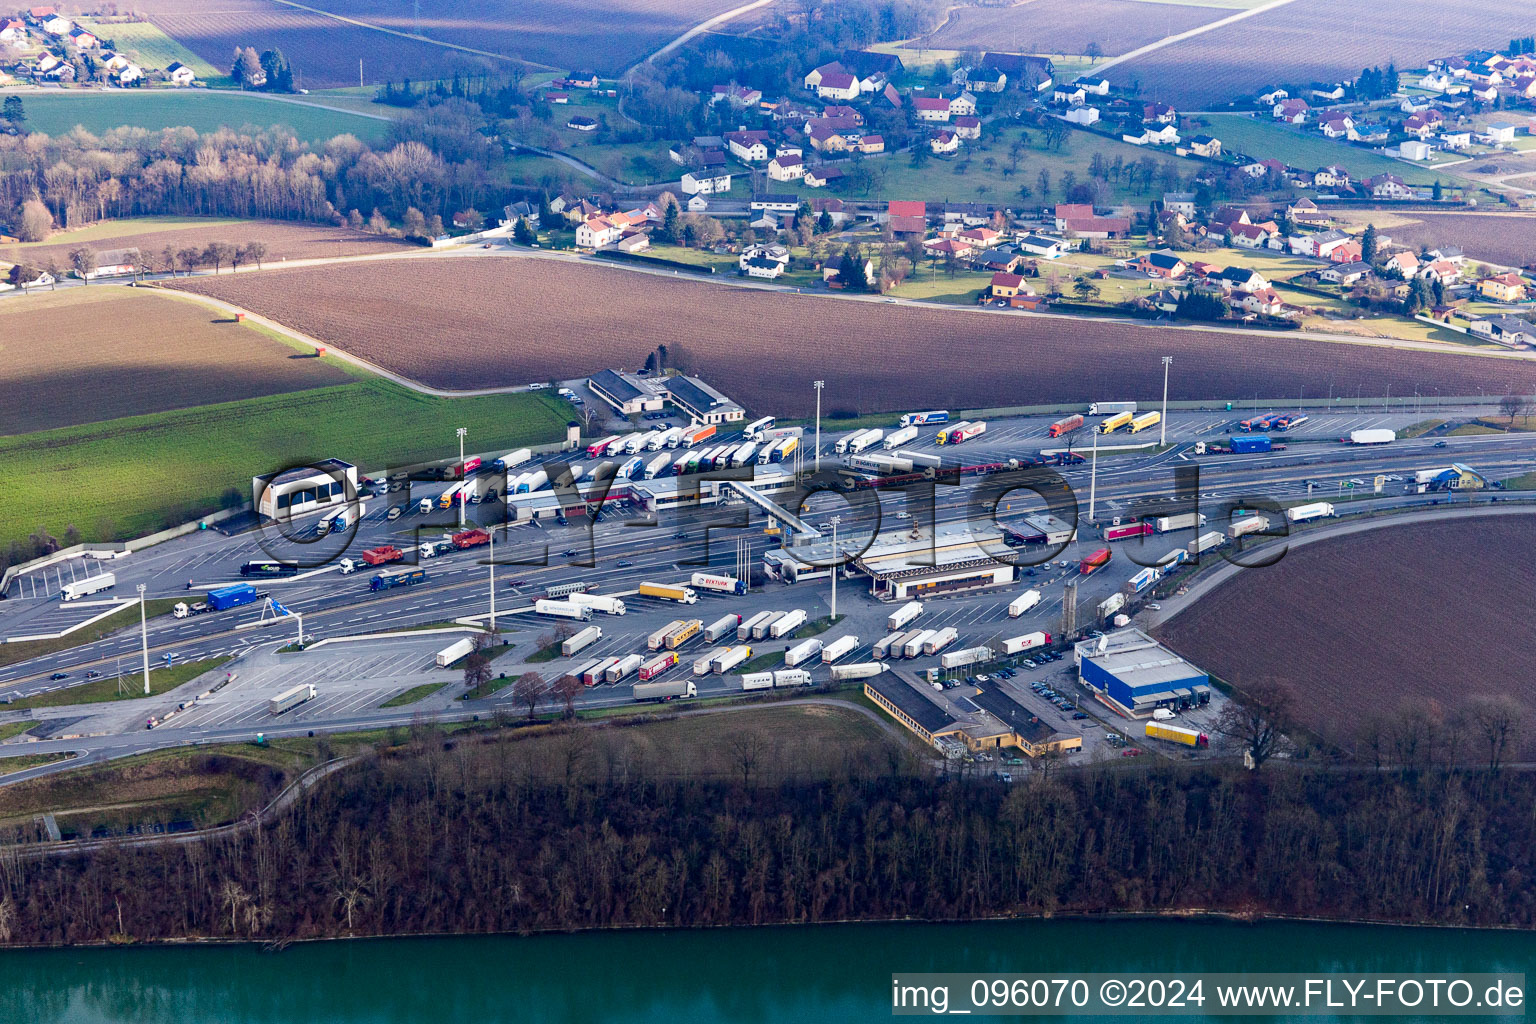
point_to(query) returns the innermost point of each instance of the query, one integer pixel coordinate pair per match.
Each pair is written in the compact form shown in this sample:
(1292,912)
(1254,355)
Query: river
(755,976)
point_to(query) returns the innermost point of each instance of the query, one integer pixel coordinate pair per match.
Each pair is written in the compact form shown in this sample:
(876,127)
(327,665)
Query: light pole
(460,496)
(493,577)
(818,385)
(1093,475)
(1163,437)
(144,637)
(834,520)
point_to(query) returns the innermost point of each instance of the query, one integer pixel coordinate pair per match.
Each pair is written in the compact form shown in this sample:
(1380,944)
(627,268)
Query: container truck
(912,646)
(598,671)
(517,458)
(942,436)
(586,638)
(791,677)
(454,651)
(731,657)
(637,443)
(1114,533)
(757,681)
(858,670)
(968,656)
(677,688)
(628,665)
(966,431)
(744,455)
(1115,422)
(589,666)
(221,598)
(837,648)
(882,648)
(787,623)
(1249,445)
(903,615)
(916,419)
(562,610)
(600,603)
(1373,436)
(693,435)
(597,449)
(1303,513)
(1177,734)
(802,652)
(682,634)
(1111,408)
(658,467)
(744,631)
(753,431)
(1186,521)
(385,580)
(1027,642)
(1110,605)
(1291,421)
(290,699)
(1023,603)
(669,592)
(1145,420)
(761,627)
(882,465)
(864,441)
(940,639)
(657,640)
(1141,581)
(719,583)
(92,585)
(1065,426)
(657,665)
(683,460)
(725,625)
(896,438)
(1098,560)
(1250,524)
(1205,542)
(535,481)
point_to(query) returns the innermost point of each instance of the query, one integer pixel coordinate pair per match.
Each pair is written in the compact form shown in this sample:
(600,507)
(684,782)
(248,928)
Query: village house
(55,25)
(1332,176)
(1069,95)
(697,182)
(1005,260)
(825,139)
(1043,246)
(1405,263)
(844,113)
(763,260)
(813,77)
(581,123)
(1160,263)
(944,248)
(838,85)
(1265,301)
(1207,146)
(1499,133)
(1414,149)
(737,96)
(13,31)
(1330,93)
(1160,113)
(1306,213)
(1337,127)
(1248,236)
(931,108)
(582,80)
(697,203)
(786,168)
(128,74)
(1388,186)
(1456,139)
(1176,202)
(1448,252)
(1082,115)
(1012,289)
(1269,99)
(83,40)
(836,210)
(907,217)
(944,142)
(1369,131)
(1029,72)
(871,144)
(1506,330)
(1345,274)
(748,146)
(1154,135)
(1502,288)
(596,232)
(980,237)
(1292,111)
(1443,271)
(1239,279)
(968,127)
(823,175)
(962,105)
(178,73)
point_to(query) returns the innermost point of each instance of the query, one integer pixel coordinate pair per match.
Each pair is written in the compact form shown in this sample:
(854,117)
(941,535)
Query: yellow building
(1503,288)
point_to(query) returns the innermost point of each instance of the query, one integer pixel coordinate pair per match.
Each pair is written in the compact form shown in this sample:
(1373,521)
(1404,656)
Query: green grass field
(132,476)
(201,109)
(151,48)
(126,228)
(1306,149)
(413,695)
(97,691)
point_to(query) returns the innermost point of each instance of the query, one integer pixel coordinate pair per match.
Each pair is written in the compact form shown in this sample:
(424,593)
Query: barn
(1134,674)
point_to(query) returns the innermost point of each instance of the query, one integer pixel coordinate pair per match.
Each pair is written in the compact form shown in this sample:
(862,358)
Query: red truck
(1098,560)
(1113,533)
(1065,426)
(460,470)
(380,555)
(470,539)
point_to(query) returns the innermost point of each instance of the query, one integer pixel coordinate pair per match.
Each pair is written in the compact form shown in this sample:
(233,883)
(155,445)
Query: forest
(480,836)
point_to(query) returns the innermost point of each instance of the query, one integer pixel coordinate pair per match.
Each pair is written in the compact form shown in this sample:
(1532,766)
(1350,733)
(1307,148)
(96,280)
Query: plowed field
(1069,26)
(484,321)
(1421,615)
(1508,239)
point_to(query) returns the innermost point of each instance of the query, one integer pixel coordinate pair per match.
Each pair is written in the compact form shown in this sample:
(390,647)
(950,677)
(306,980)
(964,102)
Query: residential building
(1332,176)
(814,76)
(1163,263)
(1160,113)
(738,96)
(1503,288)
(13,32)
(55,25)
(1456,139)
(179,74)
(997,260)
(931,108)
(1006,286)
(968,127)
(870,144)
(1499,132)
(822,175)
(1179,202)
(786,168)
(838,85)
(1207,146)
(695,182)
(1082,115)
(1069,95)
(1443,271)
(980,79)
(1413,149)
(1388,186)
(1345,274)
(83,40)
(1292,111)
(835,209)
(1337,127)
(1239,279)
(944,142)
(962,105)
(115,263)
(756,257)
(748,146)
(1043,246)
(1405,263)
(1513,331)
(1031,73)
(775,202)
(596,232)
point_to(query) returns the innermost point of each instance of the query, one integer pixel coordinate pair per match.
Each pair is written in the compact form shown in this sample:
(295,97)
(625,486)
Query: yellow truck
(1145,420)
(682,634)
(669,592)
(1115,422)
(1177,734)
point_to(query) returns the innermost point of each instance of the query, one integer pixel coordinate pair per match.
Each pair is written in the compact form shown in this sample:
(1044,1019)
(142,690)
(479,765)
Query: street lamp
(460,495)
(144,637)
(1163,438)
(818,385)
(493,577)
(834,520)
(1093,475)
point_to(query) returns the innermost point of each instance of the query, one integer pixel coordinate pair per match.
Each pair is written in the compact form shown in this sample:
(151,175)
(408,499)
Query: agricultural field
(131,476)
(481,321)
(145,44)
(1263,139)
(1070,26)
(1364,632)
(1508,239)
(284,240)
(100,111)
(115,352)
(1317,40)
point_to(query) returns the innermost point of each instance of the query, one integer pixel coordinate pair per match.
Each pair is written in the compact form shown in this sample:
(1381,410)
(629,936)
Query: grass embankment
(21,762)
(125,616)
(150,47)
(10,729)
(1420,428)
(414,694)
(161,680)
(157,109)
(153,471)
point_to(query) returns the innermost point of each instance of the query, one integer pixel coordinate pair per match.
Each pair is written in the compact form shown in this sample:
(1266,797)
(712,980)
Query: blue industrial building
(1135,674)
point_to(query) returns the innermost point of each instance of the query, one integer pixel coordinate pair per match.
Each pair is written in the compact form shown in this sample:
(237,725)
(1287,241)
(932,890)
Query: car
(93,674)
(59,675)
(568,553)
(1013,760)
(983,678)
(1130,752)
(1003,776)
(1078,716)
(562,520)
(624,563)
(597,517)
(1439,444)
(680,535)
(1357,481)
(539,387)
(517,583)
(1029,572)
(395,513)
(1154,607)
(903,515)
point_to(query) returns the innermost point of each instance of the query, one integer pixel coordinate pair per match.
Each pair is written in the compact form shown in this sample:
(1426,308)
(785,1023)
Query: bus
(269,567)
(597,449)
(755,430)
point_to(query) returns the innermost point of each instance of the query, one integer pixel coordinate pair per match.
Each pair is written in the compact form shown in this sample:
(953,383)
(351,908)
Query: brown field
(1421,615)
(1068,26)
(484,321)
(1508,239)
(1318,40)
(89,354)
(284,241)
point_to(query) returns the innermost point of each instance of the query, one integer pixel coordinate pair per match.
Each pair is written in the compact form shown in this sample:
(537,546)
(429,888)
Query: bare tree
(83,259)
(1509,408)
(748,746)
(1257,719)
(233,897)
(565,690)
(529,689)
(477,671)
(1497,720)
(349,896)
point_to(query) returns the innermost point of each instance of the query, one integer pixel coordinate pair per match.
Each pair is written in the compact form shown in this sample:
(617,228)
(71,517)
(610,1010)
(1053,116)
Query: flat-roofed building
(1134,674)
(294,492)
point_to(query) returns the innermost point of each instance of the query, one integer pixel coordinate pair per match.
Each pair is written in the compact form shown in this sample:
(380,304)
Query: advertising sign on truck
(1065,426)
(600,603)
(718,582)
(915,419)
(1114,533)
(802,652)
(626,665)
(1316,510)
(1187,521)
(682,634)
(896,438)
(669,592)
(1027,642)
(657,665)
(1250,524)
(1115,422)
(562,609)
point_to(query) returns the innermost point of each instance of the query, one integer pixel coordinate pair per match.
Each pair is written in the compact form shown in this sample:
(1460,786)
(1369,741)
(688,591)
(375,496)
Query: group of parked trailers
(914,643)
(962,431)
(771,625)
(1274,421)
(1130,419)
(860,440)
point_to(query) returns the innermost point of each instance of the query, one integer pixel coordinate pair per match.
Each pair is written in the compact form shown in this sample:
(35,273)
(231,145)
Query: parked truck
(940,639)
(586,638)
(802,652)
(1372,436)
(1111,408)
(762,625)
(1096,561)
(657,665)
(562,609)
(1185,521)
(865,441)
(669,592)
(787,623)
(659,466)
(663,691)
(1145,420)
(1247,525)
(912,646)
(290,699)
(1142,580)
(682,634)
(515,458)
(903,615)
(757,681)
(837,648)
(942,435)
(1177,734)
(744,631)
(896,438)
(1115,422)
(1066,425)
(1023,603)
(743,455)
(1254,445)
(880,465)
(841,445)
(966,431)
(454,651)
(967,656)
(883,647)
(1027,642)
(1304,513)
(791,677)
(1206,542)
(597,672)
(77,589)
(466,539)
(221,598)
(626,666)
(694,435)
(719,583)
(1126,531)
(916,419)
(600,603)
(724,626)
(731,657)
(858,670)
(382,581)
(1111,604)
(535,481)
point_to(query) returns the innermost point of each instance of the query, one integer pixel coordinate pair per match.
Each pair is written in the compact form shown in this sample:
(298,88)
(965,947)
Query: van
(395,512)
(538,387)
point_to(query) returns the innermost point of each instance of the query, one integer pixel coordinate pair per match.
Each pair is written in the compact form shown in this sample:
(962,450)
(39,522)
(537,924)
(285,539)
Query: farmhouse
(931,108)
(944,142)
(1030,72)
(814,76)
(1042,245)
(786,168)
(1161,113)
(114,263)
(822,175)
(1176,202)
(1163,263)
(968,127)
(748,146)
(1502,288)
(838,86)
(835,209)
(178,73)
(1291,111)
(1082,115)
(1248,236)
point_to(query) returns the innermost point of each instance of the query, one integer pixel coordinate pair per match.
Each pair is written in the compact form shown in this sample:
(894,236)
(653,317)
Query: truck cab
(348,566)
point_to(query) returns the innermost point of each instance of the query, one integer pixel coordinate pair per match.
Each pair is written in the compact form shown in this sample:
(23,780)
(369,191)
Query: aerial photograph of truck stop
(767,511)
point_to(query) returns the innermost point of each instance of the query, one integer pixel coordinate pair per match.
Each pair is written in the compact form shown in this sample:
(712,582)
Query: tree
(477,668)
(233,897)
(1043,183)
(529,690)
(414,222)
(748,746)
(218,254)
(1438,192)
(824,222)
(279,74)
(36,219)
(522,234)
(670,231)
(565,689)
(1086,289)
(349,897)
(1497,720)
(189,257)
(1368,244)
(83,259)
(1509,407)
(248,68)
(14,112)
(254,252)
(1257,719)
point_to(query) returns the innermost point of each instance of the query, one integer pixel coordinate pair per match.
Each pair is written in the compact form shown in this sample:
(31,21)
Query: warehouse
(702,402)
(295,492)
(1030,734)
(966,720)
(1134,674)
(626,393)
(671,492)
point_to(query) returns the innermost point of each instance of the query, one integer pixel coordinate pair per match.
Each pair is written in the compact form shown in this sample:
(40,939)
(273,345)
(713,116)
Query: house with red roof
(931,108)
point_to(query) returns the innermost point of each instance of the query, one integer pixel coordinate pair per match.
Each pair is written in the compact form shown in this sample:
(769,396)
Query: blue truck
(1246,445)
(232,597)
(399,578)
